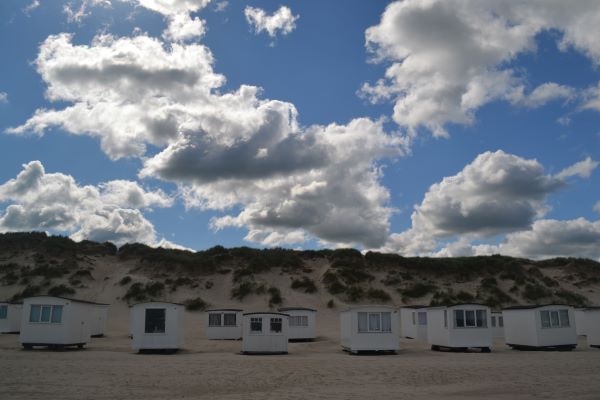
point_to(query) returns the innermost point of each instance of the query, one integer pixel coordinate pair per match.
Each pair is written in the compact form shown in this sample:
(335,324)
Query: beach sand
(108,369)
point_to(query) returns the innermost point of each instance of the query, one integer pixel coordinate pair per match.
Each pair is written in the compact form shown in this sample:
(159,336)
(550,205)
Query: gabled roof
(69,299)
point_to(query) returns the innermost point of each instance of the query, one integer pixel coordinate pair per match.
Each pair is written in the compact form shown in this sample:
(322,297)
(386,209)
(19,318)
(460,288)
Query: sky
(418,127)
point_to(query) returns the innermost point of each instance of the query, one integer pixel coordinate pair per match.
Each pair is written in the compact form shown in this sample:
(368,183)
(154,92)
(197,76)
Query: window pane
(459,318)
(56,314)
(554,319)
(214,319)
(363,324)
(255,324)
(386,322)
(3,312)
(374,322)
(229,319)
(294,321)
(564,318)
(34,314)
(545,315)
(445,318)
(470,318)
(413,318)
(155,320)
(276,324)
(422,318)
(493,321)
(304,320)
(501,322)
(481,316)
(45,314)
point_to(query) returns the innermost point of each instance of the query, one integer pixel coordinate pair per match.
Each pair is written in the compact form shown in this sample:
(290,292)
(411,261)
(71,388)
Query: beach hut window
(470,319)
(276,325)
(214,319)
(45,314)
(445,318)
(564,318)
(229,319)
(255,324)
(155,320)
(3,312)
(493,321)
(386,322)
(555,319)
(481,317)
(501,322)
(363,322)
(374,322)
(422,318)
(413,318)
(299,320)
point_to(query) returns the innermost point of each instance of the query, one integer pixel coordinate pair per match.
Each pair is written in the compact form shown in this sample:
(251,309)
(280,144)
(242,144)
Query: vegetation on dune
(61,291)
(305,284)
(196,304)
(138,292)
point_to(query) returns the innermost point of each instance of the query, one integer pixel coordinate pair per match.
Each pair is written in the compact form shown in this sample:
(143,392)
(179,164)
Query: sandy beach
(108,369)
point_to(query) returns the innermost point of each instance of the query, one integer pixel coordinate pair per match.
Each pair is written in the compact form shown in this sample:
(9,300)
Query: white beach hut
(223,324)
(592,324)
(580,321)
(549,326)
(413,322)
(265,333)
(370,328)
(497,325)
(55,322)
(459,327)
(157,326)
(99,316)
(10,317)
(302,323)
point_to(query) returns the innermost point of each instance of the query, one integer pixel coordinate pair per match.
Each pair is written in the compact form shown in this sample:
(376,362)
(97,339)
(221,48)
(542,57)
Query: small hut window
(470,318)
(564,318)
(413,318)
(422,318)
(255,324)
(276,325)
(493,321)
(299,320)
(555,318)
(363,322)
(214,319)
(3,312)
(501,322)
(374,322)
(445,318)
(229,319)
(45,314)
(386,322)
(155,320)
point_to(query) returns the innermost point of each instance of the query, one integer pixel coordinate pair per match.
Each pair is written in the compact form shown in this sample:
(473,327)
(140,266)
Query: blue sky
(457,107)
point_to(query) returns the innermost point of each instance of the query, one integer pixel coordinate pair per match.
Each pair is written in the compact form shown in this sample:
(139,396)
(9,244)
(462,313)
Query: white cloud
(592,98)
(223,149)
(3,97)
(183,27)
(450,57)
(551,238)
(281,20)
(172,7)
(221,6)
(541,95)
(582,169)
(597,207)
(77,15)
(497,193)
(31,6)
(36,200)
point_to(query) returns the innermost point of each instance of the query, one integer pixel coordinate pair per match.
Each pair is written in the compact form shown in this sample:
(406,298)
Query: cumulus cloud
(183,27)
(281,20)
(223,149)
(3,97)
(592,98)
(78,14)
(582,169)
(449,58)
(551,238)
(36,200)
(497,193)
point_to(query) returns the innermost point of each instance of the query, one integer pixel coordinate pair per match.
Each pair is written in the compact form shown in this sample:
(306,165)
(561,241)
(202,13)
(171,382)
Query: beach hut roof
(297,308)
(534,306)
(163,302)
(266,312)
(225,309)
(69,299)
